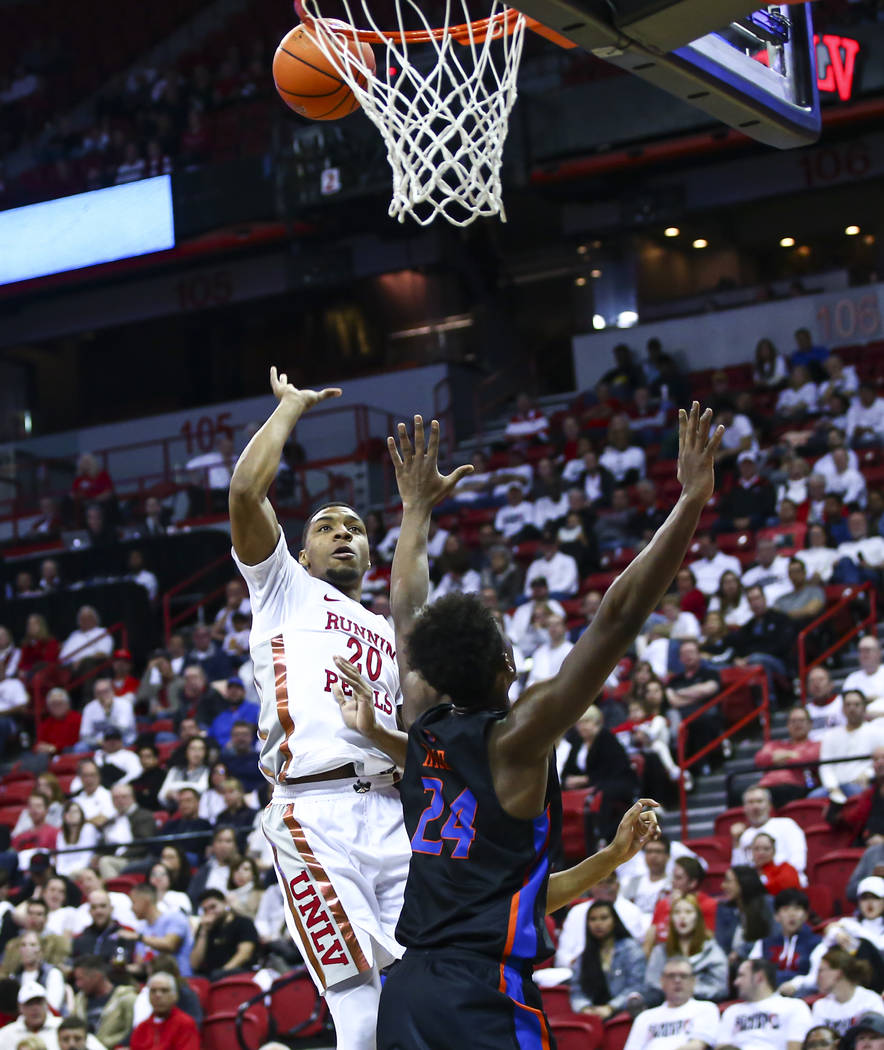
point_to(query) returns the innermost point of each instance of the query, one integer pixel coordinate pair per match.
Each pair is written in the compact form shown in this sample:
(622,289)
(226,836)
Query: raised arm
(548,709)
(421,487)
(253,523)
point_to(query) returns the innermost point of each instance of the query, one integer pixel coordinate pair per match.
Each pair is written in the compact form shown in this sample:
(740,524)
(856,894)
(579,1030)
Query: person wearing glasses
(682,1022)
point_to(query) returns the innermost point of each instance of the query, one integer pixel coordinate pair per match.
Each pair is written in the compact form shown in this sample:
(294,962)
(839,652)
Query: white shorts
(341,857)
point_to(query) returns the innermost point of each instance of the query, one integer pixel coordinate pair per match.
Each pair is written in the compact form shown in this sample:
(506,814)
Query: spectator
(118,764)
(842,980)
(210,477)
(207,654)
(188,822)
(868,1034)
(92,484)
(34,968)
(865,417)
(47,785)
(687,877)
(763,1019)
(785,785)
(10,655)
(100,530)
(103,712)
(646,889)
(598,482)
(77,832)
(236,813)
(798,399)
(688,938)
(131,167)
(167,1028)
(730,601)
(769,570)
(160,687)
(212,800)
(503,575)
(147,785)
(765,640)
(682,1020)
(125,683)
(137,573)
(750,501)
(94,799)
(589,606)
(559,570)
(41,835)
(101,937)
(869,678)
(711,564)
(775,877)
(459,578)
(626,375)
(106,1008)
(238,709)
(867,817)
(690,690)
(824,703)
(158,933)
(806,353)
(244,889)
(818,557)
(805,601)
(215,873)
(225,942)
(743,915)
(168,899)
(614,525)
(840,378)
(518,471)
(612,967)
(88,644)
(130,823)
(240,757)
(625,462)
(196,698)
(692,598)
(475,487)
(860,556)
(36,1020)
(835,440)
(154,521)
(39,650)
(788,836)
(48,523)
(56,949)
(515,520)
(794,488)
(851,742)
(790,944)
(548,658)
(236,601)
(769,369)
(528,424)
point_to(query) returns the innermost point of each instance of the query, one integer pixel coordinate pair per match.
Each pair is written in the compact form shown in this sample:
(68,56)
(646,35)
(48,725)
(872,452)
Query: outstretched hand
(288,393)
(357,709)
(696,452)
(417,467)
(637,828)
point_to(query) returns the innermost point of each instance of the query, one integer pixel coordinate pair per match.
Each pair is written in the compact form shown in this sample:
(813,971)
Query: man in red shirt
(167,1028)
(785,785)
(42,835)
(124,681)
(60,729)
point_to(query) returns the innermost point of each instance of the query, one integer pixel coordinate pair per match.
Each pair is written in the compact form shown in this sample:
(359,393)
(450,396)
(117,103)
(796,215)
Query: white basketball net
(444,124)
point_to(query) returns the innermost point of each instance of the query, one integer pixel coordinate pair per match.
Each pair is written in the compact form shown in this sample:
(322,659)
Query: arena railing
(751,676)
(849,595)
(756,773)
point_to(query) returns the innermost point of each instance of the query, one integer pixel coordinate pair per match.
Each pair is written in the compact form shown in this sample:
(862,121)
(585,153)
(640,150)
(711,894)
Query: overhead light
(671,231)
(595,274)
(582,249)
(701,242)
(869,238)
(598,322)
(580,281)
(596,245)
(787,242)
(804,250)
(627,318)
(851,231)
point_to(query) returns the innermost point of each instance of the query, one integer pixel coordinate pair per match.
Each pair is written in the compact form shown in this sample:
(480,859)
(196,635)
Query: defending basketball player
(334,821)
(479,792)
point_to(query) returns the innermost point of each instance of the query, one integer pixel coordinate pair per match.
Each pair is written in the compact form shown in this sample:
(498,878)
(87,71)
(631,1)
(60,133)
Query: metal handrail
(752,675)
(850,594)
(813,764)
(168,620)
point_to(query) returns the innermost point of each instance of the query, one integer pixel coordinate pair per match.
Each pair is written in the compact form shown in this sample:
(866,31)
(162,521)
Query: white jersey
(299,623)
(669,1027)
(769,1024)
(842,1016)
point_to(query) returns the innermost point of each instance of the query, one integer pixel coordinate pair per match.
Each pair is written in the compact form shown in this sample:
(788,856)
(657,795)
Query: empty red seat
(219,1030)
(573,825)
(714,849)
(296,1009)
(557,1002)
(834,870)
(724,820)
(229,992)
(617,1031)
(805,810)
(577,1032)
(823,839)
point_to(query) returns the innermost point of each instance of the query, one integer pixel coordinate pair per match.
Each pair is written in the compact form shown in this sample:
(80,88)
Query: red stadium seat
(123,883)
(16,792)
(219,1030)
(557,1002)
(9,815)
(578,1032)
(821,900)
(617,1031)
(200,985)
(61,764)
(229,992)
(714,849)
(18,776)
(834,870)
(297,1009)
(713,879)
(804,811)
(573,826)
(823,839)
(724,820)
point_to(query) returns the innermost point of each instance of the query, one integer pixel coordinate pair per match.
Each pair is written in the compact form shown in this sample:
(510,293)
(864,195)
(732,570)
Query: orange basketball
(308,82)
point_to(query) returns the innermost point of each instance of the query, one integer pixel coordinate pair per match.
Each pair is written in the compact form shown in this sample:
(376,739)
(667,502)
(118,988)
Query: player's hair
(458,648)
(320,507)
(692,868)
(789,897)
(856,970)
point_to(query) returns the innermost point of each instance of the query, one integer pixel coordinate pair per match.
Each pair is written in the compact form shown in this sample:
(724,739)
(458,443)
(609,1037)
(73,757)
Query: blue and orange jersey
(478,877)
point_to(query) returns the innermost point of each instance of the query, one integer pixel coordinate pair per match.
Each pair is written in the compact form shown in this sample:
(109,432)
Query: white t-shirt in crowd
(825,716)
(769,1024)
(669,1027)
(572,939)
(644,892)
(842,1016)
(560,572)
(870,685)
(299,623)
(819,561)
(510,520)
(791,845)
(547,660)
(621,461)
(708,571)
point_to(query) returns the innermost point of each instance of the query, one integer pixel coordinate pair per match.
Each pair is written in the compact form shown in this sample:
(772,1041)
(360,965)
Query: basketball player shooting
(334,821)
(479,792)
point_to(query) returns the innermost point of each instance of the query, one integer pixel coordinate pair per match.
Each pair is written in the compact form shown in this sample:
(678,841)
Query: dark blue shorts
(457,1000)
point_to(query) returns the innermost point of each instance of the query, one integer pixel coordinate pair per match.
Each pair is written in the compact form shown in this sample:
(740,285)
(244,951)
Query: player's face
(336,548)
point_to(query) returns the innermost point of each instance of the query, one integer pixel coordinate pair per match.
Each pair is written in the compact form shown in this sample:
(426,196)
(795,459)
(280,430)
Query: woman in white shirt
(770,367)
(818,557)
(212,800)
(168,900)
(35,968)
(75,832)
(842,979)
(194,773)
(795,485)
(730,601)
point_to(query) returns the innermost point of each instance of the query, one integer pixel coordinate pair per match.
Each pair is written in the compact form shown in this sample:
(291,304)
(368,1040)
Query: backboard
(706,52)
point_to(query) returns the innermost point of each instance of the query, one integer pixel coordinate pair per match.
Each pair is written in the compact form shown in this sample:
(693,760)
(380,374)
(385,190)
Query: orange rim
(500,25)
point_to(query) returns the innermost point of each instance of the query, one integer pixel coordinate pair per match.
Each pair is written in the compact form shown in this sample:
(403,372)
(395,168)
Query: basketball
(311,84)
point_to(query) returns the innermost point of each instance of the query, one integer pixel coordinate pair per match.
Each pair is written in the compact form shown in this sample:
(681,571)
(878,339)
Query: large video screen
(86,229)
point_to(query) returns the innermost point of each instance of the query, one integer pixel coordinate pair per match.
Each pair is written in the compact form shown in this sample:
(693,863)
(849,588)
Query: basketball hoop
(443,110)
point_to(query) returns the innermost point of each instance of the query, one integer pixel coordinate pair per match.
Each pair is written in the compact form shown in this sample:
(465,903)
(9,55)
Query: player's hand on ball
(638,826)
(284,391)
(417,467)
(357,709)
